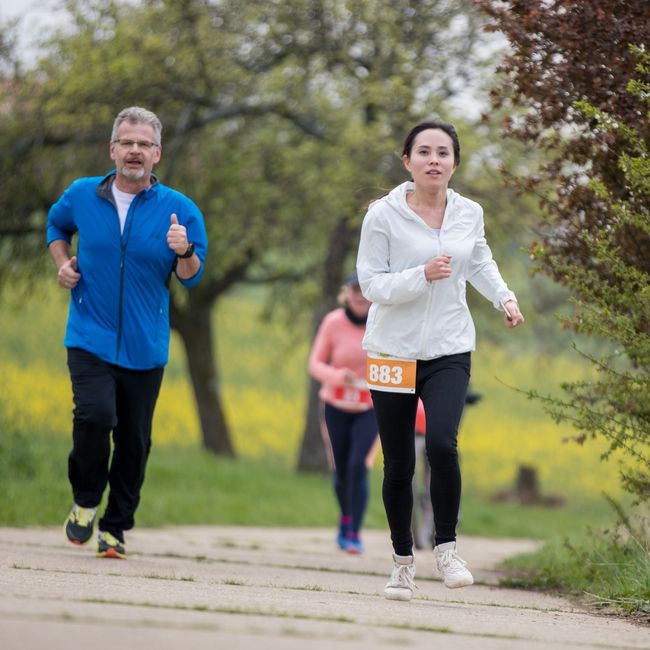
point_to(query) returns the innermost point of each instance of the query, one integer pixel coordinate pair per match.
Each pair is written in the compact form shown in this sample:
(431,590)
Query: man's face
(134,159)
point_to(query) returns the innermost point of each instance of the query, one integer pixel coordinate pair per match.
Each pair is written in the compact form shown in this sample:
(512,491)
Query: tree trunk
(313,454)
(195,330)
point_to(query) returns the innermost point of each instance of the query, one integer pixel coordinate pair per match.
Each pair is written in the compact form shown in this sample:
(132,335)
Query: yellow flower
(264,392)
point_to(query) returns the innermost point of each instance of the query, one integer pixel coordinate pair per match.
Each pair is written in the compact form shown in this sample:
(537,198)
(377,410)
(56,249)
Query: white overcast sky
(11,7)
(35,15)
(39,14)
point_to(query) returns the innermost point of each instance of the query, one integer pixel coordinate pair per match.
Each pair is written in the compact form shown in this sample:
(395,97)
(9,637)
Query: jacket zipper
(432,290)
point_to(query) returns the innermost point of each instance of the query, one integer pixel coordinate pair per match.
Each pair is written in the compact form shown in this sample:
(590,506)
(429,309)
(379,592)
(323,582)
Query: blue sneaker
(342,541)
(354,546)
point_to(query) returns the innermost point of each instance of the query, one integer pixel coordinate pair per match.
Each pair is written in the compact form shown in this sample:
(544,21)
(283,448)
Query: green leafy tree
(576,85)
(276,117)
(223,124)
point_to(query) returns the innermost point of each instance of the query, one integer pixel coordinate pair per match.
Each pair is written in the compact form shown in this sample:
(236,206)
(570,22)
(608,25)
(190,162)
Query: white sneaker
(451,566)
(401,583)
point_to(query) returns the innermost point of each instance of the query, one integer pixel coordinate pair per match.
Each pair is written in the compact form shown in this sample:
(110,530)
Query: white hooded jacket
(411,317)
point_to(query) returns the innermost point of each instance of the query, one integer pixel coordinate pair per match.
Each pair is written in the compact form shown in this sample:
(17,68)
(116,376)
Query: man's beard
(133,174)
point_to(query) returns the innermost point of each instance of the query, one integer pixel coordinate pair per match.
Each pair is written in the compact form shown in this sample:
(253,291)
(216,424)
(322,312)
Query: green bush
(608,569)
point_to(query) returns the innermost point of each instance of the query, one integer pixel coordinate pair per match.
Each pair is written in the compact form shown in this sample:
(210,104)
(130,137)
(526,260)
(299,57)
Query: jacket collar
(396,199)
(104,189)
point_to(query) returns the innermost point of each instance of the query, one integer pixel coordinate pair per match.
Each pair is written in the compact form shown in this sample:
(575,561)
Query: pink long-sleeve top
(337,349)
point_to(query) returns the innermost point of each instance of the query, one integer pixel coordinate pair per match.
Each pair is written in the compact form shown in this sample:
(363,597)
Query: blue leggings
(352,436)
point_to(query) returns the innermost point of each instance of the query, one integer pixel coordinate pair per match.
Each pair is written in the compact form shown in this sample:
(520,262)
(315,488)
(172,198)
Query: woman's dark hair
(432,124)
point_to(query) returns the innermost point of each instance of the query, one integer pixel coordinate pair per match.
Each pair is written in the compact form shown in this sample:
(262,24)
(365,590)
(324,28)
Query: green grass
(186,485)
(479,514)
(606,569)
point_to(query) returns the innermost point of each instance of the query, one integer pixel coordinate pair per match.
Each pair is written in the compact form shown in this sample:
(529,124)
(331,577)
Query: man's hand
(68,276)
(177,236)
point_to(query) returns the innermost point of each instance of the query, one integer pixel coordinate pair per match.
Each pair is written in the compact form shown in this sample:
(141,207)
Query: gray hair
(137,115)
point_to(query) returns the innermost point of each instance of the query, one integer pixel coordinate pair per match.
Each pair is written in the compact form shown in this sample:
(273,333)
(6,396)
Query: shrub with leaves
(576,86)
(615,305)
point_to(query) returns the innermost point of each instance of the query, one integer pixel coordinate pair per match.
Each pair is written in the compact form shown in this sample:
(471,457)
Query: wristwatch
(188,253)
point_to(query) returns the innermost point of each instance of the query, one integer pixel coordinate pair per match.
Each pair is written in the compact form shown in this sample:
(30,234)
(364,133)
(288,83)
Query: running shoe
(343,532)
(79,524)
(452,567)
(354,545)
(109,546)
(402,579)
(342,541)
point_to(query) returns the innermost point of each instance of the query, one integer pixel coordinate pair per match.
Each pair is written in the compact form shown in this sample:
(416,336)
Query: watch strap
(188,253)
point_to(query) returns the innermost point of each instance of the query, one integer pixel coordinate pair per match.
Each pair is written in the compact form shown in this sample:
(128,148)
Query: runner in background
(338,361)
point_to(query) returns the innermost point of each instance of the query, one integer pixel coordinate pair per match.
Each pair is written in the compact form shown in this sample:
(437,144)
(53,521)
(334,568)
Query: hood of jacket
(396,200)
(412,317)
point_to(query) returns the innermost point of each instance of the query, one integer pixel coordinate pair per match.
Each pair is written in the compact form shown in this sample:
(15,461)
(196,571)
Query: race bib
(391,374)
(353,394)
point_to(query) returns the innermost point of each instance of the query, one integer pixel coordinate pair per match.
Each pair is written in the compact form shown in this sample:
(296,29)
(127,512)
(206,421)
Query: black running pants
(110,399)
(442,385)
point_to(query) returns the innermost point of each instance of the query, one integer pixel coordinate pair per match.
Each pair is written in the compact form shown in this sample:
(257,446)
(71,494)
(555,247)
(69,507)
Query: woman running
(419,246)
(338,361)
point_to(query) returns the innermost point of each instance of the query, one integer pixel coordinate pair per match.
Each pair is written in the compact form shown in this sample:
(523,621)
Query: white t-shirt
(123,201)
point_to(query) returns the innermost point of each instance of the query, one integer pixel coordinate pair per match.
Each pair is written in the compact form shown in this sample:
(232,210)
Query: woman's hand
(347,377)
(513,316)
(438,268)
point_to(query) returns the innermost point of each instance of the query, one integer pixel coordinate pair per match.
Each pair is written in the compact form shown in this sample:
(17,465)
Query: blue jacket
(119,310)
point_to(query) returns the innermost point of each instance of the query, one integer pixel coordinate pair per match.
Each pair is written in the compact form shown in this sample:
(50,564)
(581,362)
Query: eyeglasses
(129,144)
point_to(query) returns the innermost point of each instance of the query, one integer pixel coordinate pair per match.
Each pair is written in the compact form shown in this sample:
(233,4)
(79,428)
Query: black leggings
(351,436)
(442,385)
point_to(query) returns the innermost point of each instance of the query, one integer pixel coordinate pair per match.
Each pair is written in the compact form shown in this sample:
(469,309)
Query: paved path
(237,588)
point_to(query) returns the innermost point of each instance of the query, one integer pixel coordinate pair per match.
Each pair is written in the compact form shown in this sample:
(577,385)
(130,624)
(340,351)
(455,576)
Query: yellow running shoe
(78,526)
(109,546)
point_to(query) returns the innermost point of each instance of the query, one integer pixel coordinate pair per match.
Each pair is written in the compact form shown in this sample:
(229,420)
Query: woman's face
(356,302)
(431,161)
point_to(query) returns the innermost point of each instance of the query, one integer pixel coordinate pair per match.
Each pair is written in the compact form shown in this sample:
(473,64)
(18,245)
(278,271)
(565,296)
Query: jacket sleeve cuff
(194,280)
(503,298)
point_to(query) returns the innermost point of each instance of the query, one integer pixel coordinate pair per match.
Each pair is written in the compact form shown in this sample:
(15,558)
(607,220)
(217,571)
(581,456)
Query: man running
(132,233)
